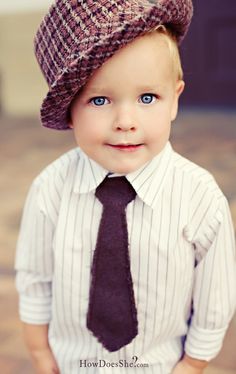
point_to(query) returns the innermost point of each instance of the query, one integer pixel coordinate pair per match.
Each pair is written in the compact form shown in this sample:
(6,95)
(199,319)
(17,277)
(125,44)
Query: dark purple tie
(112,315)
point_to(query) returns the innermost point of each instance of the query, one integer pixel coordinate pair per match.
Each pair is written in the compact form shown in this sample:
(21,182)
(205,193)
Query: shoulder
(205,202)
(47,189)
(203,198)
(199,180)
(58,170)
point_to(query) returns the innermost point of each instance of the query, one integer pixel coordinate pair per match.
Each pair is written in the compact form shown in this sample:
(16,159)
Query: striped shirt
(182,254)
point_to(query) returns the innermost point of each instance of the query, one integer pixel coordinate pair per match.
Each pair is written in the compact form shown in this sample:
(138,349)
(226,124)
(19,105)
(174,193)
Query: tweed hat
(76,37)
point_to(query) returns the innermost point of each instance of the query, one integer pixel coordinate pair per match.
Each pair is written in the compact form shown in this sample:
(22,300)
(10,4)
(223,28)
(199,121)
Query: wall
(21,84)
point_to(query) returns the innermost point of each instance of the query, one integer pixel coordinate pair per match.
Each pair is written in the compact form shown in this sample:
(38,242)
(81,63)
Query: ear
(70,125)
(69,119)
(178,91)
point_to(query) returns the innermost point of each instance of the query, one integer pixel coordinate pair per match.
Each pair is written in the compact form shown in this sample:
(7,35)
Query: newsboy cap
(76,37)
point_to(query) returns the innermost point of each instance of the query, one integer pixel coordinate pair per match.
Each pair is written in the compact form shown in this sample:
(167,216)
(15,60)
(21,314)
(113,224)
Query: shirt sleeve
(34,260)
(214,293)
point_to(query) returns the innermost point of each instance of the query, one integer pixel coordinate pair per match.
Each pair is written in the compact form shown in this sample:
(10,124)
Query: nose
(125,127)
(124,120)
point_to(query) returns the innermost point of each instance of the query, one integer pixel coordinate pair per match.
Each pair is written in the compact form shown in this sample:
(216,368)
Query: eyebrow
(148,88)
(96,89)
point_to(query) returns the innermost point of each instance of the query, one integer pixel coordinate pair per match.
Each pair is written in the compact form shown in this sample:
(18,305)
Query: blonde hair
(173,48)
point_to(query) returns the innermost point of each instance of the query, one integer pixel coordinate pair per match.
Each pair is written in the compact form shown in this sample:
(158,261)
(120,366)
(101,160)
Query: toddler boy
(125,260)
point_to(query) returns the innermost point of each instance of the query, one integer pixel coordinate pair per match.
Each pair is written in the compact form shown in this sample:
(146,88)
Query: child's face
(122,117)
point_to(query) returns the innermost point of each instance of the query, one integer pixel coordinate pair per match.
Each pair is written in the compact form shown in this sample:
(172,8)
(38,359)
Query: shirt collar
(89,174)
(147,181)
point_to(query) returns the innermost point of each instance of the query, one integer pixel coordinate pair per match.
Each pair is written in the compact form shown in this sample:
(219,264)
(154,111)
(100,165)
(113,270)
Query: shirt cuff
(35,310)
(204,344)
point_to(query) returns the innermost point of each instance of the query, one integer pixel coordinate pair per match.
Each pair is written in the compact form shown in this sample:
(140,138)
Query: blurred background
(205,132)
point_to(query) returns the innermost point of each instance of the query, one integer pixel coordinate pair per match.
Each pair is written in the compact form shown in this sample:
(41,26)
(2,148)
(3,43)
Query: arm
(34,266)
(36,339)
(214,292)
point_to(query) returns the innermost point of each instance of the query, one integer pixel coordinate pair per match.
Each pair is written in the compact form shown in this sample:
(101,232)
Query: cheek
(158,126)
(88,131)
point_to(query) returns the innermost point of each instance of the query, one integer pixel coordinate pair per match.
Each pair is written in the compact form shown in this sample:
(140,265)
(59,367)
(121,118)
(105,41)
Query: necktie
(112,315)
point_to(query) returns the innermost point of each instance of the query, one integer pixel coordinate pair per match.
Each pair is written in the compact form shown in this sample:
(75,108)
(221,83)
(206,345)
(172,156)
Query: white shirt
(181,246)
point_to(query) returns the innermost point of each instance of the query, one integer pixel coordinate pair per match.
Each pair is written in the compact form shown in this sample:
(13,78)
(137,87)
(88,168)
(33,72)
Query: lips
(126,146)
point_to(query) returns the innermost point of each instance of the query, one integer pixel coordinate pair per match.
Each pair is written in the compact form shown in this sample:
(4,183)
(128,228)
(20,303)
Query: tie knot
(115,191)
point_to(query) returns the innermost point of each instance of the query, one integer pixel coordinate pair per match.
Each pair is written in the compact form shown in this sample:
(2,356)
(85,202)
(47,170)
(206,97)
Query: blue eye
(98,101)
(148,98)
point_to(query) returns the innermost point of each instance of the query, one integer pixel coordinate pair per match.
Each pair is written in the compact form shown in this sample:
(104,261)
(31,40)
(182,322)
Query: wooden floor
(208,138)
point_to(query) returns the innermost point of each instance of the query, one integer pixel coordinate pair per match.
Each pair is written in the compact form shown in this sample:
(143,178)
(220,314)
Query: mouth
(126,146)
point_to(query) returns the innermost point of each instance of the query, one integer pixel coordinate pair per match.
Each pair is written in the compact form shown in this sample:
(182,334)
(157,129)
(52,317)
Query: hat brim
(55,106)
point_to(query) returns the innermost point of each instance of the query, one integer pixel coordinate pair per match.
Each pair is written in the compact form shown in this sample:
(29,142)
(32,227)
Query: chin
(124,169)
